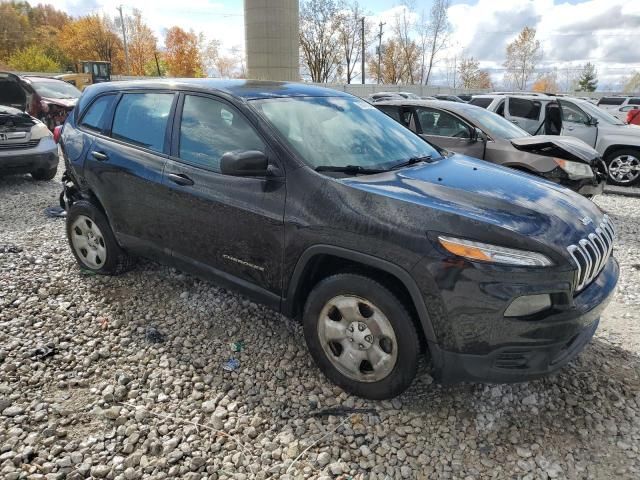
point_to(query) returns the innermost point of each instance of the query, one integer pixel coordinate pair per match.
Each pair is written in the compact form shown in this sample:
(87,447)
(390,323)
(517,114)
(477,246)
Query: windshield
(598,113)
(340,132)
(494,124)
(59,89)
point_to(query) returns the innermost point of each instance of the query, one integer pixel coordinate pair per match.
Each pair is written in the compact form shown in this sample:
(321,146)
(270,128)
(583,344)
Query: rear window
(94,117)
(481,102)
(611,101)
(141,119)
(634,101)
(522,108)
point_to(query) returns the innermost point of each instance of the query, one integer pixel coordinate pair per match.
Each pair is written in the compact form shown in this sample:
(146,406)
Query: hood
(568,148)
(61,102)
(12,120)
(490,194)
(620,130)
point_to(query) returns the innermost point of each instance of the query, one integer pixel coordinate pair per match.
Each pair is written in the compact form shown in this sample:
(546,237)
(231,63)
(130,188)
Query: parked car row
(619,106)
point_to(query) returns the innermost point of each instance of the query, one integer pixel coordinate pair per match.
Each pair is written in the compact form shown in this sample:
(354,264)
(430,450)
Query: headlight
(40,130)
(575,170)
(485,252)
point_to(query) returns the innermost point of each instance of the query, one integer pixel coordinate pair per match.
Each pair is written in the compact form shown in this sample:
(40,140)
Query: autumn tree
(182,53)
(588,81)
(547,83)
(319,39)
(93,37)
(393,65)
(33,59)
(350,36)
(522,56)
(471,76)
(141,43)
(434,35)
(403,35)
(632,84)
(14,30)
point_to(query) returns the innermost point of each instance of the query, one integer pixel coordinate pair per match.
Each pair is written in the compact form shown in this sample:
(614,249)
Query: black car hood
(489,194)
(12,119)
(568,148)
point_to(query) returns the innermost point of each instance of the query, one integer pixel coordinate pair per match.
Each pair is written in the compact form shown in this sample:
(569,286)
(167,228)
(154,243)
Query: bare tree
(434,35)
(471,76)
(319,39)
(350,36)
(522,56)
(403,30)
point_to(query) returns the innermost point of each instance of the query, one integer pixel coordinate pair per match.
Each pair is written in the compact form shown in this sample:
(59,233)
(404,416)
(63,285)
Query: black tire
(614,156)
(43,174)
(406,336)
(117,260)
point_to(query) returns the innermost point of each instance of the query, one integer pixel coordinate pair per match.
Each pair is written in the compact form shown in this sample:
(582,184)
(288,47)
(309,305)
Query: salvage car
(619,144)
(320,206)
(474,131)
(26,145)
(48,99)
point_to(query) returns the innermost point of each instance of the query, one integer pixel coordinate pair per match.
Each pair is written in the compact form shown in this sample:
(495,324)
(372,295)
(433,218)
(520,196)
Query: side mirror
(478,135)
(249,163)
(592,122)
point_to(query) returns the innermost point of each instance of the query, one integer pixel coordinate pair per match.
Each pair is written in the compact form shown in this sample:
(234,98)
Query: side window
(481,102)
(611,101)
(634,101)
(94,117)
(571,113)
(523,108)
(393,112)
(442,124)
(210,128)
(500,109)
(141,118)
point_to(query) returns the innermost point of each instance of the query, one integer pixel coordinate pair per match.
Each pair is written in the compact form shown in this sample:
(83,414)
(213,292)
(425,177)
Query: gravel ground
(85,391)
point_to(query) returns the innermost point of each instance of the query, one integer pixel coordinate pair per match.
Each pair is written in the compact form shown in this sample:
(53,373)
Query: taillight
(57,132)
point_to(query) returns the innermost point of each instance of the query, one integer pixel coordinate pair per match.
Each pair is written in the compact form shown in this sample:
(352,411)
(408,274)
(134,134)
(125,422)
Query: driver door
(448,131)
(576,123)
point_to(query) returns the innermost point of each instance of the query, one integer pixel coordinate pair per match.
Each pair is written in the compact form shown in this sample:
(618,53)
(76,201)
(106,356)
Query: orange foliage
(182,53)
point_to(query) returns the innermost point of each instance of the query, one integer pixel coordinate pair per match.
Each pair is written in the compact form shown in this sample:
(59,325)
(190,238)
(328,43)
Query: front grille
(18,146)
(592,252)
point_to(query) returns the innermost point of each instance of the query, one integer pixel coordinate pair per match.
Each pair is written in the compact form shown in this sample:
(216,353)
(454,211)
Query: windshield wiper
(350,169)
(411,161)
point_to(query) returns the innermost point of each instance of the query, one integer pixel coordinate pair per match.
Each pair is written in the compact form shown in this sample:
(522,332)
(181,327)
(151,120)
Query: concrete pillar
(271,39)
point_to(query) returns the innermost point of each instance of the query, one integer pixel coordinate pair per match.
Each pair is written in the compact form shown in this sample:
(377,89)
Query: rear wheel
(45,174)
(361,336)
(92,242)
(623,167)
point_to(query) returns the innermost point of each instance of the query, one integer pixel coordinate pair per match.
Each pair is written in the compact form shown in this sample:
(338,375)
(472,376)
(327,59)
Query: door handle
(570,128)
(100,156)
(180,179)
(514,121)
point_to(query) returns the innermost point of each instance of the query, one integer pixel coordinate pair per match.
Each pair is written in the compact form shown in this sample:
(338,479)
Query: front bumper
(592,190)
(42,157)
(475,342)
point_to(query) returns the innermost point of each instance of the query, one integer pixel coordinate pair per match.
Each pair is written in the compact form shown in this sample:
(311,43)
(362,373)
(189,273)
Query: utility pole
(155,54)
(124,40)
(362,42)
(380,49)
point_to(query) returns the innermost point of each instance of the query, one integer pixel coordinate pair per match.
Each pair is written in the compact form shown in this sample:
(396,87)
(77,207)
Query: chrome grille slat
(591,253)
(19,145)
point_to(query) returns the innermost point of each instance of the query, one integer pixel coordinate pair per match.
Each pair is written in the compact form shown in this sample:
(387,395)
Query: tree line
(44,39)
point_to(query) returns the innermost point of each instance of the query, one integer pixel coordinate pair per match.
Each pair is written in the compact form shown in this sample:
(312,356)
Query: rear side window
(141,119)
(522,108)
(611,101)
(393,112)
(441,124)
(634,101)
(93,119)
(210,128)
(481,102)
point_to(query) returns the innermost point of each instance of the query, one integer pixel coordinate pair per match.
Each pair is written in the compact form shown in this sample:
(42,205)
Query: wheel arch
(615,147)
(319,261)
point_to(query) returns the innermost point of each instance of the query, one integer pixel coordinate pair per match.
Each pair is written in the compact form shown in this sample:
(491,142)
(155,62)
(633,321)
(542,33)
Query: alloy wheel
(88,242)
(357,338)
(624,168)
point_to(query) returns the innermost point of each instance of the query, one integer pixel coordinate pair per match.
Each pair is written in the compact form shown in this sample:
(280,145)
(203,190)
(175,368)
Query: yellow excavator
(88,73)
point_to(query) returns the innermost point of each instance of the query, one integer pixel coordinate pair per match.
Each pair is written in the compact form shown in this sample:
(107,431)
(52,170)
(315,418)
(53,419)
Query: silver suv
(619,144)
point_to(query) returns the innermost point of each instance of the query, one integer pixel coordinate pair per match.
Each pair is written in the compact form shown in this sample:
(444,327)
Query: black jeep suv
(317,204)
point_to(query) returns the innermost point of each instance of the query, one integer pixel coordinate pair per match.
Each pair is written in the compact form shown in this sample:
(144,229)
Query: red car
(633,116)
(47,99)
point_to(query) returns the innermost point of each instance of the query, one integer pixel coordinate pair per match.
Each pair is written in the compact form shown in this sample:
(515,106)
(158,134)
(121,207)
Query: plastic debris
(231,365)
(10,248)
(44,351)
(237,346)
(55,212)
(153,335)
(87,273)
(343,411)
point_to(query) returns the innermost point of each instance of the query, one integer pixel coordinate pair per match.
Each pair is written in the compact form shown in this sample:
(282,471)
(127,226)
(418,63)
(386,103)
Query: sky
(572,32)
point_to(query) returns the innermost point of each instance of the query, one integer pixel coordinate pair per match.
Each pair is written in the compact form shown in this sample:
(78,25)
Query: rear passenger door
(125,164)
(527,113)
(230,227)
